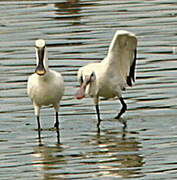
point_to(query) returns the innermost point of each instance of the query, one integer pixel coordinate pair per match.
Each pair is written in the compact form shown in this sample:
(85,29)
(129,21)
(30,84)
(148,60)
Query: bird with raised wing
(113,74)
(45,86)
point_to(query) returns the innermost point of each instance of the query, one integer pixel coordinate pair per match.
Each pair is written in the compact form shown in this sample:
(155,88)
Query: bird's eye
(92,77)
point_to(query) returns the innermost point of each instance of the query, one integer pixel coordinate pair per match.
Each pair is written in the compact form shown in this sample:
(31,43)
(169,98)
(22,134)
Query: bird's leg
(57,128)
(96,102)
(98,115)
(39,129)
(37,114)
(124,108)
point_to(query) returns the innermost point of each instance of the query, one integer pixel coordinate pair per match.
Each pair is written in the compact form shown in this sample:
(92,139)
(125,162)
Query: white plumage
(113,74)
(45,86)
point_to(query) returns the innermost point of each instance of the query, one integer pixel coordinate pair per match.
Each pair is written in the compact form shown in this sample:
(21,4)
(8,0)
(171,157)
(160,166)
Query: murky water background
(79,32)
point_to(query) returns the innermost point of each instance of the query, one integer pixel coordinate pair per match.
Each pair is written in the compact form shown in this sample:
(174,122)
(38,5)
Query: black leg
(124,108)
(98,115)
(39,129)
(57,128)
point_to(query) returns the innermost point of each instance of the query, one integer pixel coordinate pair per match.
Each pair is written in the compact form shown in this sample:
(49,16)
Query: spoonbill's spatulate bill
(113,74)
(45,86)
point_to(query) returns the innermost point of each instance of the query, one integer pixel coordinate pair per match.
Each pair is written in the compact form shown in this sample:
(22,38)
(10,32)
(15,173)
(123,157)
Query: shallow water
(79,32)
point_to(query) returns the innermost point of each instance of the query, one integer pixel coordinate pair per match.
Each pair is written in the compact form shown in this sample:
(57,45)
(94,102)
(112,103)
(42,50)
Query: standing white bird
(113,74)
(45,86)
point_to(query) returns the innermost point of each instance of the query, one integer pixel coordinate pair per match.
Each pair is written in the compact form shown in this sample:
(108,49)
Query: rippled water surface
(79,32)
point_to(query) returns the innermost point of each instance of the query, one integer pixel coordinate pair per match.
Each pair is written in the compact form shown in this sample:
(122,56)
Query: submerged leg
(37,114)
(96,99)
(39,129)
(56,125)
(124,108)
(98,116)
(57,128)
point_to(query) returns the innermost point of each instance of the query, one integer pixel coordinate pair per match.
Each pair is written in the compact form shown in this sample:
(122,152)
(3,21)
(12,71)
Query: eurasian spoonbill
(113,74)
(45,86)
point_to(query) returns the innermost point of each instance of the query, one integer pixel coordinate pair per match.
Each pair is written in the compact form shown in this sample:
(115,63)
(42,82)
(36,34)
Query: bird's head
(41,67)
(87,84)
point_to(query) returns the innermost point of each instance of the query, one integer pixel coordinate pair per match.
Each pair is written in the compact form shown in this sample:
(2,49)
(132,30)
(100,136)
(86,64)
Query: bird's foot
(124,125)
(56,125)
(118,116)
(123,121)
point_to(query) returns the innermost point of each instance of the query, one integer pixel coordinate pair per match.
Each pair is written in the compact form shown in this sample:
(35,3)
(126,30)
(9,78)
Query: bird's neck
(46,61)
(111,60)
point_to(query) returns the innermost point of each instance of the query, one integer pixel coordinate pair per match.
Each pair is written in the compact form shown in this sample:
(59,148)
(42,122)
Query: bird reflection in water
(49,158)
(114,156)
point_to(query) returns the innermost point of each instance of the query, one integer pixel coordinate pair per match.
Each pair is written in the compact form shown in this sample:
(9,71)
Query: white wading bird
(113,74)
(45,86)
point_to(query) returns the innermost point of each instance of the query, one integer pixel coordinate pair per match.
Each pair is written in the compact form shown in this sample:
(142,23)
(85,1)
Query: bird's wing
(122,53)
(29,86)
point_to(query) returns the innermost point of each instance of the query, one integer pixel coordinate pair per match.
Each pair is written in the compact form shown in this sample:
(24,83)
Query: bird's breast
(46,92)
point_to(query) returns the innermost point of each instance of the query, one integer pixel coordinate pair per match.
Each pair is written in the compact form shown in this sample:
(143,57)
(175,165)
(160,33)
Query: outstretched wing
(122,53)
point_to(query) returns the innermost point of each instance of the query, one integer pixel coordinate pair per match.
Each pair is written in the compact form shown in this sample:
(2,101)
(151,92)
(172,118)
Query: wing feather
(122,52)
(131,76)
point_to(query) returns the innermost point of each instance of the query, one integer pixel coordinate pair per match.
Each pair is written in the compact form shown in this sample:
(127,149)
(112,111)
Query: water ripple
(78,32)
